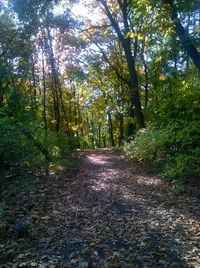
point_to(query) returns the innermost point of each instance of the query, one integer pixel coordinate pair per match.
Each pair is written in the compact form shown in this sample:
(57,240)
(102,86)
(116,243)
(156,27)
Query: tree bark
(111,129)
(99,134)
(54,81)
(146,75)
(184,35)
(121,129)
(110,123)
(126,44)
(44,92)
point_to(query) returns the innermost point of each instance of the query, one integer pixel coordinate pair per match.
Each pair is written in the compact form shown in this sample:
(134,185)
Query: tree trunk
(126,44)
(34,80)
(55,84)
(146,85)
(111,129)
(121,129)
(99,134)
(184,35)
(44,92)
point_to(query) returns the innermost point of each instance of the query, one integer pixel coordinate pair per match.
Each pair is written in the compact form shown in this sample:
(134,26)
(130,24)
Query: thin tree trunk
(34,85)
(104,141)
(111,129)
(94,134)
(121,129)
(110,124)
(55,83)
(44,92)
(99,134)
(146,86)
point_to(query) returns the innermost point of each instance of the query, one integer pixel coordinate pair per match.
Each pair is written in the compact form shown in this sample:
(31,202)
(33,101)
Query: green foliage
(145,146)
(55,97)
(17,148)
(172,136)
(174,149)
(14,146)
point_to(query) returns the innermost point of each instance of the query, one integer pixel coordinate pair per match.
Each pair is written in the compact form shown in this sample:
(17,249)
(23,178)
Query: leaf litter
(109,214)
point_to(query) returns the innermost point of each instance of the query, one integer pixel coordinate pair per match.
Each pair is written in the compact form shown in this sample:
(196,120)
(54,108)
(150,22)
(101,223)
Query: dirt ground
(108,214)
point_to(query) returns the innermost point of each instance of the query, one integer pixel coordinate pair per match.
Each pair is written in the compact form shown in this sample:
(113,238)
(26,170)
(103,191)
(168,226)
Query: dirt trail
(114,215)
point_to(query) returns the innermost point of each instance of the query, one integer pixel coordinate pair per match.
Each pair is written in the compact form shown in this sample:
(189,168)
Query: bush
(176,146)
(173,134)
(148,145)
(25,145)
(15,148)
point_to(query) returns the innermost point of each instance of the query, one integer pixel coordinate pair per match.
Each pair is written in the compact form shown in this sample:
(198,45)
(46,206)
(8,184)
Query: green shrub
(17,148)
(177,146)
(172,137)
(148,145)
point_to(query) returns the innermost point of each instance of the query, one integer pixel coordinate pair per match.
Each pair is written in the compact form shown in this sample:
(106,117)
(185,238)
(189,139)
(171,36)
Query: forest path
(114,215)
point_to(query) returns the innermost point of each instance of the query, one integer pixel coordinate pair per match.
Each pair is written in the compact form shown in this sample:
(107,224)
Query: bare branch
(97,27)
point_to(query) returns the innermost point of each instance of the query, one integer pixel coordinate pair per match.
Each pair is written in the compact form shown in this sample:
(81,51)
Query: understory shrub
(25,145)
(23,140)
(176,146)
(172,137)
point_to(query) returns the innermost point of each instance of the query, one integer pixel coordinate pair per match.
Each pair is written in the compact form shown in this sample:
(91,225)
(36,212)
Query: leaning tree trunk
(184,35)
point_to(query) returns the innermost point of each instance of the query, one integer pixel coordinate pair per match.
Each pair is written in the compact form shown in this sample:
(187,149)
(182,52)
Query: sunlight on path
(102,180)
(97,159)
(165,227)
(113,215)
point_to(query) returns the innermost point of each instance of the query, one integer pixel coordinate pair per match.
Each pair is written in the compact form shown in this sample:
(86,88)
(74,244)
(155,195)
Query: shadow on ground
(113,215)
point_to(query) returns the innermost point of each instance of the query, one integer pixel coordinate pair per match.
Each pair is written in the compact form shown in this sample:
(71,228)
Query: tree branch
(107,60)
(184,36)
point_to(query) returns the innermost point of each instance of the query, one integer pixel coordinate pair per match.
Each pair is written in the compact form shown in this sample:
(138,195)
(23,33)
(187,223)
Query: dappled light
(111,213)
(99,134)
(105,180)
(96,159)
(148,181)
